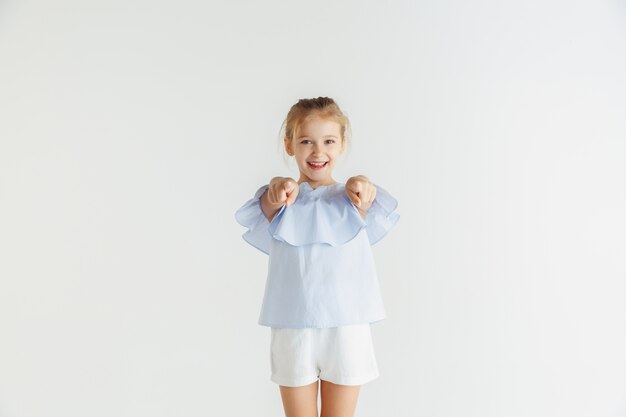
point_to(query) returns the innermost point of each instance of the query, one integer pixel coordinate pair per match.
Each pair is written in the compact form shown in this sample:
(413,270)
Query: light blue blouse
(321,270)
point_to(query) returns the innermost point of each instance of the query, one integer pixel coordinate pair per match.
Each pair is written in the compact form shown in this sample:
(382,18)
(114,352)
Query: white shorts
(342,355)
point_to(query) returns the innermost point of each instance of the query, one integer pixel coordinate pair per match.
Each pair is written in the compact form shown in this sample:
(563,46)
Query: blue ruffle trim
(329,217)
(381,216)
(251,216)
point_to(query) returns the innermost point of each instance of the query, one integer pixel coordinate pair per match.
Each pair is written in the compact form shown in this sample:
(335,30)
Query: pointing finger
(292,196)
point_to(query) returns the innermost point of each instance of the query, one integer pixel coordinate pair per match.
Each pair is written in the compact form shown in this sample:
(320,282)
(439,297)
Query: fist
(361,192)
(282,190)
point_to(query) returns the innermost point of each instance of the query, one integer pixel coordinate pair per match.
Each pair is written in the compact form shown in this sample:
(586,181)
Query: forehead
(318,126)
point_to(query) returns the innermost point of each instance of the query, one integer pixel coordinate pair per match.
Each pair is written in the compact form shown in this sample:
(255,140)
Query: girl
(321,293)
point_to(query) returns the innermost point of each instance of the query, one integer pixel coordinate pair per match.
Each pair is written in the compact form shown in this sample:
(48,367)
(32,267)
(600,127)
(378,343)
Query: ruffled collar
(321,215)
(305,186)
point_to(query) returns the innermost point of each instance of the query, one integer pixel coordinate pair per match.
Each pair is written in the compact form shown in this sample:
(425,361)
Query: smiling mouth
(317,165)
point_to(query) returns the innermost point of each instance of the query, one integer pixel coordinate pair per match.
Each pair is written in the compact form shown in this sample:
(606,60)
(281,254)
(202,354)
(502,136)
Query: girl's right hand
(282,190)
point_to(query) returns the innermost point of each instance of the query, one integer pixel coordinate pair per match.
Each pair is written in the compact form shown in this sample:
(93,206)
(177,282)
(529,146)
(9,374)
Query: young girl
(322,292)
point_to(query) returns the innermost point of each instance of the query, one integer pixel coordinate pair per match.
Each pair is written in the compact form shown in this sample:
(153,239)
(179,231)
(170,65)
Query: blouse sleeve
(251,216)
(381,216)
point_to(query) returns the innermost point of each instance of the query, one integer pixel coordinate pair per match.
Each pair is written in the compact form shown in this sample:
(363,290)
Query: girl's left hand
(361,193)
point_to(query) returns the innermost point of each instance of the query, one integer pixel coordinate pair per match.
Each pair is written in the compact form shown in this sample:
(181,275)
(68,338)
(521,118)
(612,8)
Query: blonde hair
(307,108)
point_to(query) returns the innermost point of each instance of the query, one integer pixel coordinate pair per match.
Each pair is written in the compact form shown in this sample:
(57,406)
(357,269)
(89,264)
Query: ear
(288,147)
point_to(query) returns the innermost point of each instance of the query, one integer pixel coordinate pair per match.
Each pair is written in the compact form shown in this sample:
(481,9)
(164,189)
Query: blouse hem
(322,326)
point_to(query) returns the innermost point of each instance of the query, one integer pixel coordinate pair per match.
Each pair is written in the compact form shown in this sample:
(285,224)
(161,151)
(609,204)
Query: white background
(131,131)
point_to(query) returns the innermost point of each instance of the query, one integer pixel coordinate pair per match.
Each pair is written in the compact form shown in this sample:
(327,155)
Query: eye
(306,140)
(331,140)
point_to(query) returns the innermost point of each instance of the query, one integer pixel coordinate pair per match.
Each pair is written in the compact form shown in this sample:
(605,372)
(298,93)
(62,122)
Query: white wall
(130,132)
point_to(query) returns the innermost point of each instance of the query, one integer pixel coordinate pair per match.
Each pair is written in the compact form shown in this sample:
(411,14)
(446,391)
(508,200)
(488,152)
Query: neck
(316,183)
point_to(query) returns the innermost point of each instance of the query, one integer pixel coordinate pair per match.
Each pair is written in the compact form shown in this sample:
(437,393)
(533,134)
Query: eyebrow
(326,136)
